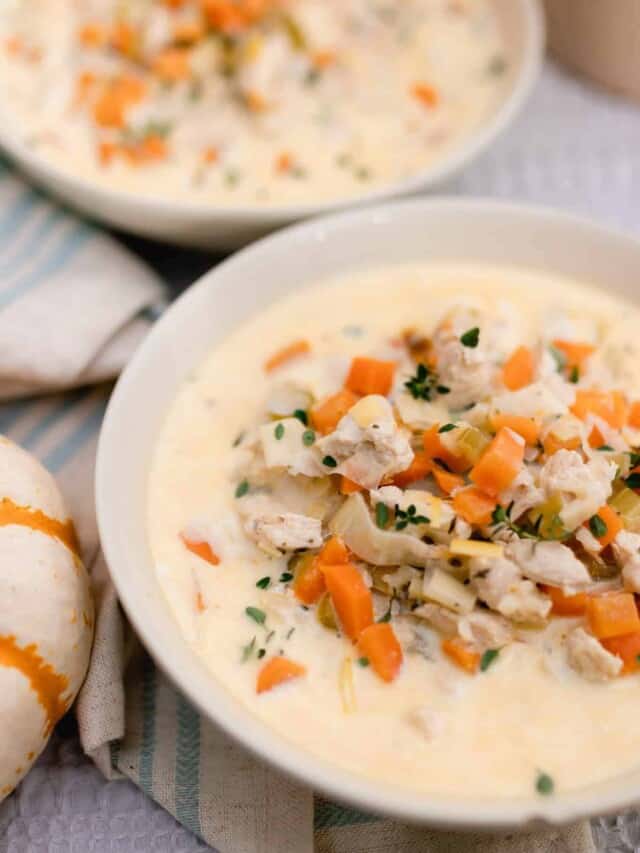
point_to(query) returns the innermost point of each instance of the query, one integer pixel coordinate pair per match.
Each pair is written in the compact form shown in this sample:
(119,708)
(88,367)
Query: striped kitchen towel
(73,305)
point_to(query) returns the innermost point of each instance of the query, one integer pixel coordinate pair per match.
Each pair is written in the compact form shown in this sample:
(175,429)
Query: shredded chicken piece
(368,454)
(485,630)
(589,658)
(537,400)
(428,721)
(522,493)
(287,531)
(583,486)
(441,618)
(466,371)
(626,549)
(548,562)
(499,584)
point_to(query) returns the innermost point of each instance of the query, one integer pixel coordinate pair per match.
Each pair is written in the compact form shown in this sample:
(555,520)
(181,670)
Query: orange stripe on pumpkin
(24,516)
(46,683)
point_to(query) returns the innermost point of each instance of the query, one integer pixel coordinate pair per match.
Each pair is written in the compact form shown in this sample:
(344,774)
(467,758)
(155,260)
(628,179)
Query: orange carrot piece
(380,645)
(525,427)
(613,523)
(188,32)
(613,614)
(210,155)
(334,552)
(276,671)
(349,487)
(518,370)
(309,585)
(172,65)
(322,59)
(499,464)
(115,98)
(552,443)
(462,654)
(435,449)
(92,35)
(201,549)
(611,406)
(447,481)
(350,596)
(326,415)
(291,351)
(370,376)
(634,415)
(124,39)
(421,466)
(627,648)
(283,163)
(426,94)
(565,605)
(574,353)
(106,152)
(474,506)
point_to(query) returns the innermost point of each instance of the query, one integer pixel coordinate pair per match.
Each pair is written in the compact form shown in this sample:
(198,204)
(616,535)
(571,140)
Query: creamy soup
(396,515)
(247,101)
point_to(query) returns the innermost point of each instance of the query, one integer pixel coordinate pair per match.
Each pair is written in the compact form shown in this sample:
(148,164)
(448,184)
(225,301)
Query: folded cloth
(73,306)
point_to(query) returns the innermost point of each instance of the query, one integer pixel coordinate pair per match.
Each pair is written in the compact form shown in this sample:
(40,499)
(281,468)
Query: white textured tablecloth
(574,148)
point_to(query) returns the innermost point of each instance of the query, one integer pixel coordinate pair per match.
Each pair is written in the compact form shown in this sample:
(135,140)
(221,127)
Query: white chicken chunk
(583,486)
(589,658)
(283,447)
(522,493)
(427,721)
(626,549)
(367,444)
(548,562)
(286,531)
(441,618)
(499,584)
(485,630)
(466,370)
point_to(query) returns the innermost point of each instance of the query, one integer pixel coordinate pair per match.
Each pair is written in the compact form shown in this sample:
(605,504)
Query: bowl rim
(201,687)
(468,147)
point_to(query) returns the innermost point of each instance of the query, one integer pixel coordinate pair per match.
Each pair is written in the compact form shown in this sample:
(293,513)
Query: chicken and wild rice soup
(398,516)
(247,101)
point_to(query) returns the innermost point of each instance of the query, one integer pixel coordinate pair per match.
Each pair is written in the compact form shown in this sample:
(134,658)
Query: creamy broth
(486,734)
(304,101)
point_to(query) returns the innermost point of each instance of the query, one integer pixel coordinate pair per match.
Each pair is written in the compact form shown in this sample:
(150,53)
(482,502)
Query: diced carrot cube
(447,481)
(474,506)
(276,671)
(611,406)
(613,523)
(627,648)
(518,370)
(462,654)
(435,449)
(370,376)
(634,415)
(420,467)
(349,487)
(525,427)
(334,552)
(326,416)
(574,353)
(172,65)
(565,605)
(201,549)
(380,645)
(350,596)
(499,464)
(426,94)
(613,614)
(291,351)
(309,585)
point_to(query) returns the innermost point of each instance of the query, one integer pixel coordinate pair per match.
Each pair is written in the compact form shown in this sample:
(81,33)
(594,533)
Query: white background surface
(575,148)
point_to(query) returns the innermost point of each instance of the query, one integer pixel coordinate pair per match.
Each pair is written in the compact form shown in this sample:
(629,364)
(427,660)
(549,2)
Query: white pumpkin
(46,612)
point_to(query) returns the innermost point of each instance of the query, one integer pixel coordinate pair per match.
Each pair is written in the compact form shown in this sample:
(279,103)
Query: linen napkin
(73,307)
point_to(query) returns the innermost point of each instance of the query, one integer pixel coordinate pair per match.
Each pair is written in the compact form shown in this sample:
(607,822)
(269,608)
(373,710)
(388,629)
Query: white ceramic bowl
(410,231)
(209,226)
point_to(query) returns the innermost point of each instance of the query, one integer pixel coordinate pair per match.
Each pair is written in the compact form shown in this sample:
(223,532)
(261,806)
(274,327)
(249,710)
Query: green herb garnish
(387,616)
(502,517)
(261,653)
(329,462)
(238,439)
(470,337)
(633,480)
(264,582)
(382,515)
(279,432)
(247,650)
(257,615)
(363,661)
(409,516)
(497,66)
(285,577)
(308,437)
(544,784)
(422,385)
(447,428)
(634,458)
(231,177)
(574,374)
(290,633)
(605,447)
(242,488)
(302,416)
(488,658)
(597,526)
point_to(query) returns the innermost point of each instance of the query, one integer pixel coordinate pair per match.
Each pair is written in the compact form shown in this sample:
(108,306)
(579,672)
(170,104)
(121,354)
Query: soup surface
(247,101)
(396,515)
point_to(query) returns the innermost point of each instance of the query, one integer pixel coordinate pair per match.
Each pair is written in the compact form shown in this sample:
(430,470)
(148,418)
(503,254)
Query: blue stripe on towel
(53,263)
(12,263)
(17,213)
(58,457)
(188,766)
(10,414)
(53,416)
